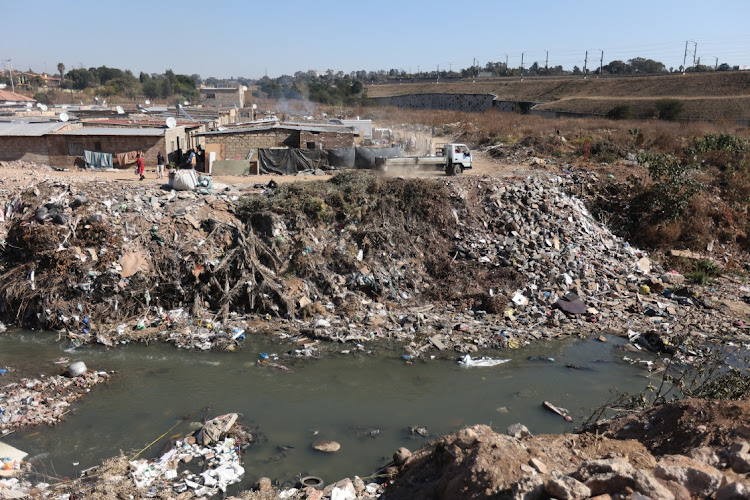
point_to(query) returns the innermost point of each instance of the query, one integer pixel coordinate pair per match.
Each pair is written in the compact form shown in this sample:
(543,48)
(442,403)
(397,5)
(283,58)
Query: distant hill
(716,95)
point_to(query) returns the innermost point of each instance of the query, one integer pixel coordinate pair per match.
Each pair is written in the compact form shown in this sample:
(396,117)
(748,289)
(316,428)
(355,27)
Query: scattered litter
(483,361)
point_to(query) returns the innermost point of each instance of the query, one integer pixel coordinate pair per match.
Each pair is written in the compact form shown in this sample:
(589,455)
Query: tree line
(113,81)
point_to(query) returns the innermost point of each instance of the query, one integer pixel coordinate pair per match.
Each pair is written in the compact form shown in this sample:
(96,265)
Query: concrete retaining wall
(454,102)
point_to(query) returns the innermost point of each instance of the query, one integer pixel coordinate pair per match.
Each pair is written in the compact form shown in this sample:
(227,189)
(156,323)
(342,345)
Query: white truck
(453,158)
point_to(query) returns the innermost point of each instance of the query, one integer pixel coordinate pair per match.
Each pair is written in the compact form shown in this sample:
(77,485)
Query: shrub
(42,98)
(704,272)
(620,112)
(669,109)
(674,183)
(722,142)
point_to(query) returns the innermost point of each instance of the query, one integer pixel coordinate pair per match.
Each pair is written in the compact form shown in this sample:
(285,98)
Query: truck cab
(457,157)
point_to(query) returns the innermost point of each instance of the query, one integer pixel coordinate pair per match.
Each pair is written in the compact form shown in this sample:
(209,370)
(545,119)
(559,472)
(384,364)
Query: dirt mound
(477,462)
(677,428)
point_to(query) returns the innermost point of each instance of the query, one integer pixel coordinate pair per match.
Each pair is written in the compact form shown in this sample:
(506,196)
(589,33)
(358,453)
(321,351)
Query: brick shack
(236,143)
(222,97)
(62,144)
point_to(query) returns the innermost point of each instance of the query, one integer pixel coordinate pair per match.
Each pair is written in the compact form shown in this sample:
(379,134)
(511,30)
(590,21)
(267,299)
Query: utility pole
(585,62)
(438,74)
(522,53)
(716,66)
(695,51)
(601,62)
(684,58)
(546,64)
(506,64)
(10,70)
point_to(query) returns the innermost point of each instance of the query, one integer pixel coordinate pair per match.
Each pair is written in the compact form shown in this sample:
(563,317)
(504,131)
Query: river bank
(440,267)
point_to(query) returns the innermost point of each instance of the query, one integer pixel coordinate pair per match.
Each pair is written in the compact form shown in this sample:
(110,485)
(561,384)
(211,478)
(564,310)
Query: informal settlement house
(238,143)
(228,97)
(8,98)
(253,142)
(62,144)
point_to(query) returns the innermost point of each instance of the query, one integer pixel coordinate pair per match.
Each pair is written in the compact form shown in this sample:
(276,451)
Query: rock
(673,278)
(739,447)
(359,485)
(699,479)
(646,483)
(704,455)
(528,488)
(609,482)
(401,456)
(518,431)
(312,494)
(740,462)
(566,487)
(343,490)
(605,466)
(466,437)
(538,465)
(263,485)
(326,446)
(738,490)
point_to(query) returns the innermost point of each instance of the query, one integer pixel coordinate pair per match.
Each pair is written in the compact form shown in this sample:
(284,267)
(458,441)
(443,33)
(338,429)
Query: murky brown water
(365,402)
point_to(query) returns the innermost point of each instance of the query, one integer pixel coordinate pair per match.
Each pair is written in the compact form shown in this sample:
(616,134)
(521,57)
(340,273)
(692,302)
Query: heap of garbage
(44,401)
(221,456)
(450,264)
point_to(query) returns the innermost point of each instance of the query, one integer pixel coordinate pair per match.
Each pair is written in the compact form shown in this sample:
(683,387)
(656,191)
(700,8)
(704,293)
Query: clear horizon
(251,39)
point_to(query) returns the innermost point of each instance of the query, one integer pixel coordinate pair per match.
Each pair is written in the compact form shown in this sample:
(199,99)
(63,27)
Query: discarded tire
(312,481)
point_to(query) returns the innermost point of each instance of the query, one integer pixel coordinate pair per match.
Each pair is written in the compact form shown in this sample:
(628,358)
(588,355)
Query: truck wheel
(450,169)
(457,169)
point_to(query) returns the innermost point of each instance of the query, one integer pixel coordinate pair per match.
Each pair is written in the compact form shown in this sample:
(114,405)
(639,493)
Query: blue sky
(248,38)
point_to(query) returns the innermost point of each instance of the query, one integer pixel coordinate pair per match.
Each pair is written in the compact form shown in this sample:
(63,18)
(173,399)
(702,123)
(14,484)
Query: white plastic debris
(483,361)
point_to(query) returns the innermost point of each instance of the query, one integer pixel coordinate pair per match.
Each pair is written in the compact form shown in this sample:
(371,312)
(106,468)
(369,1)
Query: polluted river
(371,403)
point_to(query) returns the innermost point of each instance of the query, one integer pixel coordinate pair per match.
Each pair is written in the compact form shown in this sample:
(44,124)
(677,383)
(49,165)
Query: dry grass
(719,84)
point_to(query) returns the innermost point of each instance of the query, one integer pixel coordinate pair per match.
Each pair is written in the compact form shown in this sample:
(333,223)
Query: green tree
(61,70)
(620,112)
(151,88)
(669,109)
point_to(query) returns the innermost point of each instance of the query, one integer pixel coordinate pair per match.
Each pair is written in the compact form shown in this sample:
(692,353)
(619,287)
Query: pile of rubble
(487,263)
(44,401)
(476,462)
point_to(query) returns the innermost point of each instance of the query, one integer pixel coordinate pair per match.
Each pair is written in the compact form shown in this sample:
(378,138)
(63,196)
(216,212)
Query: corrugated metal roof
(283,126)
(7,95)
(26,129)
(137,132)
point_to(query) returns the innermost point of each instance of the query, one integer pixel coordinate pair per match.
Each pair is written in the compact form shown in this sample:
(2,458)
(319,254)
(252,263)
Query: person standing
(141,166)
(159,166)
(191,158)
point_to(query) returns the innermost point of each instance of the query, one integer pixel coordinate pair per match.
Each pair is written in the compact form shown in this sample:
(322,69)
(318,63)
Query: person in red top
(141,166)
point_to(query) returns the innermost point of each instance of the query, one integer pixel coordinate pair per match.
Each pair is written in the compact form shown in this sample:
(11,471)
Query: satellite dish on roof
(244,88)
(171,122)
(28,105)
(120,111)
(147,102)
(64,106)
(255,106)
(43,107)
(39,105)
(186,103)
(64,117)
(96,99)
